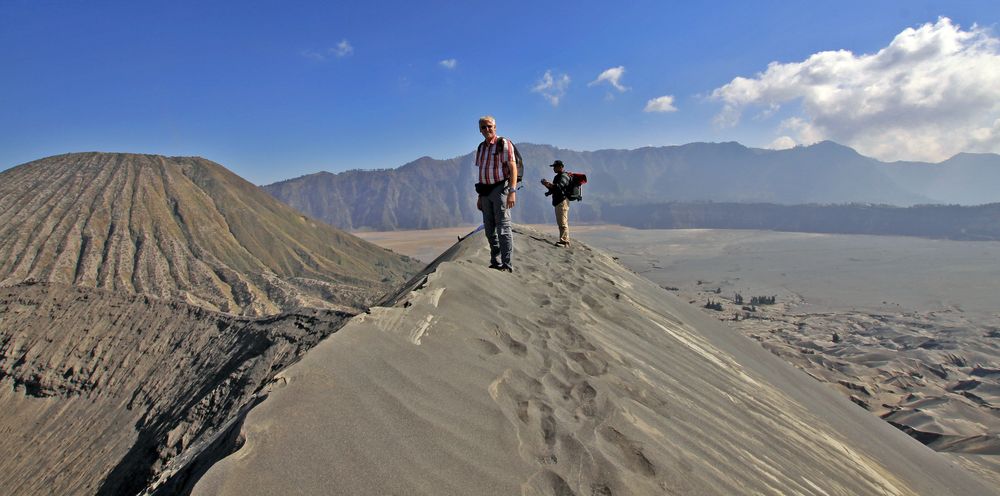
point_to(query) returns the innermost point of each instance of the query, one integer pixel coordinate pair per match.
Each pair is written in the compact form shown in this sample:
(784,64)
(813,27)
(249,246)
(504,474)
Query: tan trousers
(562,220)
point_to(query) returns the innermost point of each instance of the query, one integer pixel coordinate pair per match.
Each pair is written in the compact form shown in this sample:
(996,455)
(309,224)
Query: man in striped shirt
(497,191)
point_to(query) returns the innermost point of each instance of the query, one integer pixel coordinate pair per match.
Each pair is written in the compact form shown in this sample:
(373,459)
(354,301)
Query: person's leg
(503,227)
(556,209)
(490,230)
(562,220)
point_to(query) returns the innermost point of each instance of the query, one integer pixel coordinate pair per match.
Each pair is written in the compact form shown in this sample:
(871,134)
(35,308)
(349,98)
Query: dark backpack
(574,192)
(517,155)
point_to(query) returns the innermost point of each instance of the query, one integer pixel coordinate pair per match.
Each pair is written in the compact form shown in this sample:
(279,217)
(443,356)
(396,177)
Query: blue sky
(274,90)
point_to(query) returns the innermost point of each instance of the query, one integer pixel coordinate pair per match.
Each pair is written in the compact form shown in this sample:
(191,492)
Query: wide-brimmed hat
(557,162)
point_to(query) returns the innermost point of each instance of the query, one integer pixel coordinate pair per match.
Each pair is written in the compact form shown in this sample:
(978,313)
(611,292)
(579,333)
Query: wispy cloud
(932,92)
(612,76)
(552,87)
(782,143)
(661,104)
(342,49)
(449,63)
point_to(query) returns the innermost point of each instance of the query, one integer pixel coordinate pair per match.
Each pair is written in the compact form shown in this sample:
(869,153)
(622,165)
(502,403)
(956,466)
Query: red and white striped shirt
(490,163)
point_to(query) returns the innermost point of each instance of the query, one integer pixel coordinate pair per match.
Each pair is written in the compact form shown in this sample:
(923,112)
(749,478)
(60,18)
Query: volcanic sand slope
(180,227)
(905,328)
(592,381)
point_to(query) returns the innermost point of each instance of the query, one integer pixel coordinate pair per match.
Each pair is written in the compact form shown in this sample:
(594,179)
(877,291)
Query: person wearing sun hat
(558,189)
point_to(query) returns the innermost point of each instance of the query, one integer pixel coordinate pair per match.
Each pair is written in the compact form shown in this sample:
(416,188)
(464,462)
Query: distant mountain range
(429,193)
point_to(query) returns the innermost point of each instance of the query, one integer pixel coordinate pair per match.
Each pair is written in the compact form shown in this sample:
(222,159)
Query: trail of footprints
(549,395)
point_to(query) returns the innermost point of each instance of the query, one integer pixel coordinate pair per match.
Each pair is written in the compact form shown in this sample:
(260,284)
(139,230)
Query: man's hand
(511,198)
(479,204)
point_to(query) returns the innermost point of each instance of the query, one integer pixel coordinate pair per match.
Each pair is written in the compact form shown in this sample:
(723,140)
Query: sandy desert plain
(907,328)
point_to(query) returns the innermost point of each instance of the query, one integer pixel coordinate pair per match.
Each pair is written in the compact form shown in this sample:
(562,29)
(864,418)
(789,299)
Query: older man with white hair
(497,189)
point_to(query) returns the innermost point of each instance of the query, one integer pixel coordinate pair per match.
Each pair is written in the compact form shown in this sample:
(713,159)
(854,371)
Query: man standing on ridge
(497,189)
(557,188)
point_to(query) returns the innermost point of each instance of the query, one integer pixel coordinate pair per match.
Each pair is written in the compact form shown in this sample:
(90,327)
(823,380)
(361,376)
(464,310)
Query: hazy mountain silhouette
(965,179)
(422,194)
(434,193)
(179,227)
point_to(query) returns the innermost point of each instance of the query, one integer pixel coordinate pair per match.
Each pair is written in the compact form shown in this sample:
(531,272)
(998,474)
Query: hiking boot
(506,268)
(494,265)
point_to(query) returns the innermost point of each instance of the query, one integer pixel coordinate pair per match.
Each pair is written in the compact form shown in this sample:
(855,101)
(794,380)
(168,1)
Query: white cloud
(342,49)
(805,130)
(552,87)
(932,92)
(661,104)
(448,63)
(782,143)
(311,54)
(612,76)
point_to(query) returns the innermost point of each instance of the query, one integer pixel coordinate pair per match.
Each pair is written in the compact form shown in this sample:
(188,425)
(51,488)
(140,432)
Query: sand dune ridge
(592,381)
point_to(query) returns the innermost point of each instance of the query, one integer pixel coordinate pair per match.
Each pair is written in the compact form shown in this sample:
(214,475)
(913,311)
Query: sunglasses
(487,127)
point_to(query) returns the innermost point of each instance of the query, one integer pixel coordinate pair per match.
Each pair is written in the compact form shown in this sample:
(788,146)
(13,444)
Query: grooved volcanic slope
(179,227)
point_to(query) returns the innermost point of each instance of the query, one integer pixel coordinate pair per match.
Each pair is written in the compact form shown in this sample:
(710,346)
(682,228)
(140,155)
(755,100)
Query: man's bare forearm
(512,174)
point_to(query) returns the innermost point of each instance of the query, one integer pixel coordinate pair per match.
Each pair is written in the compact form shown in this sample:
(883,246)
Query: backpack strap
(516,155)
(497,150)
(565,189)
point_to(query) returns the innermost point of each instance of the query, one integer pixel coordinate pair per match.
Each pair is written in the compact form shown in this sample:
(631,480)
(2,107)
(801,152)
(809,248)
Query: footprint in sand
(542,299)
(630,451)
(591,302)
(586,398)
(525,404)
(547,482)
(514,346)
(484,346)
(591,364)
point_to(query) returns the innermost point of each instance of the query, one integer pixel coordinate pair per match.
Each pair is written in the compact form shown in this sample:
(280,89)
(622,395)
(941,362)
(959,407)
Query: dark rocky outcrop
(99,391)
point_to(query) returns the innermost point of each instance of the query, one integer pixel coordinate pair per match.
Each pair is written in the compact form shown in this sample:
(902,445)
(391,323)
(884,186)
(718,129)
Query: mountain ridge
(823,173)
